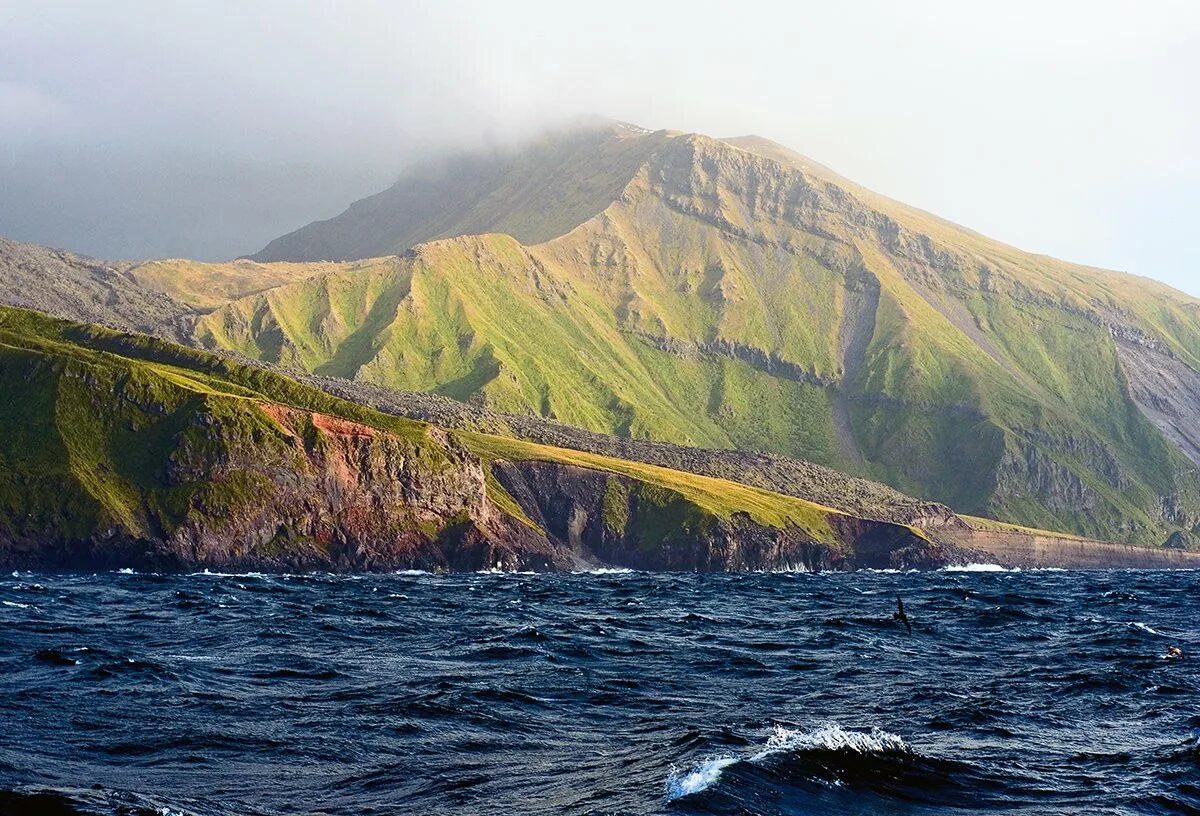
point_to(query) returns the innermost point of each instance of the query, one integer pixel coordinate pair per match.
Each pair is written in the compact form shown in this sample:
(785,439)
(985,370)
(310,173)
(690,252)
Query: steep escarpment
(1015,547)
(108,460)
(780,474)
(123,450)
(614,519)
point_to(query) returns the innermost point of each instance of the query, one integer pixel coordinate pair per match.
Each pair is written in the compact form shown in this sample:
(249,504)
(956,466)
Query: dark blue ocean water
(1033,692)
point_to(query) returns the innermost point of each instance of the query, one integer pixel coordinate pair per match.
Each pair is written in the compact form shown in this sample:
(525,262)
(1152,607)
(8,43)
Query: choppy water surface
(1035,692)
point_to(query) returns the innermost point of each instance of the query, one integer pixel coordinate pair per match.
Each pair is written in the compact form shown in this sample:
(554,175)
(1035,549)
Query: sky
(138,129)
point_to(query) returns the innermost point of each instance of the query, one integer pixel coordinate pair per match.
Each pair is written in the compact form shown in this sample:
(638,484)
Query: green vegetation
(734,294)
(114,431)
(615,506)
(207,286)
(992,525)
(716,497)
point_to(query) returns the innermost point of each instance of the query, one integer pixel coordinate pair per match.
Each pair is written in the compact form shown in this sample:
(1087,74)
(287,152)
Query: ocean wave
(977,568)
(1147,629)
(604,571)
(207,573)
(699,778)
(830,738)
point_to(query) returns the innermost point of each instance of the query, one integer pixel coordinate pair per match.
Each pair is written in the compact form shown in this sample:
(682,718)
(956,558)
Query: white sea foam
(605,571)
(977,568)
(412,572)
(793,568)
(700,778)
(1143,627)
(126,571)
(16,605)
(831,737)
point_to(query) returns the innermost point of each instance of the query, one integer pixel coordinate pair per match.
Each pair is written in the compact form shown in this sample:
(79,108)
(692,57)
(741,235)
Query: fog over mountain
(207,129)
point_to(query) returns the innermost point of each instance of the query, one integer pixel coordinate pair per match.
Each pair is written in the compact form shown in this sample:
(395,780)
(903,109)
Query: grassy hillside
(207,286)
(125,437)
(733,294)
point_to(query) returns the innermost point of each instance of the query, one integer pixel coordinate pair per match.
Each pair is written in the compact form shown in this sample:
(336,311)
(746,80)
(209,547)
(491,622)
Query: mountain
(70,285)
(125,450)
(729,294)
(535,193)
(734,294)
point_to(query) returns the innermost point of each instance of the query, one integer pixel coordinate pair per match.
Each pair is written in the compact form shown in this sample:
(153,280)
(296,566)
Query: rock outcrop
(606,518)
(80,288)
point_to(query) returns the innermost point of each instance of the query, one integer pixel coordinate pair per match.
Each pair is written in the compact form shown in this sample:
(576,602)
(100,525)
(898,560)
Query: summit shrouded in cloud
(206,129)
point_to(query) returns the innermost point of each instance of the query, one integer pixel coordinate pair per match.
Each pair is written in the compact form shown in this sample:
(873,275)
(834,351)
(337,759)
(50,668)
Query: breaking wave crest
(831,738)
(697,779)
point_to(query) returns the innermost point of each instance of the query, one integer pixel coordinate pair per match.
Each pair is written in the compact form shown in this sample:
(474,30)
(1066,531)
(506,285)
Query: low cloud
(206,129)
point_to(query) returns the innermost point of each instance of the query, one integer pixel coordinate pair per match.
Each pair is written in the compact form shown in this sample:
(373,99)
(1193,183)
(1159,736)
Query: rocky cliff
(122,450)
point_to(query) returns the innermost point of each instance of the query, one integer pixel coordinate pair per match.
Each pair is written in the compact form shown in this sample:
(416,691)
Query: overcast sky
(205,129)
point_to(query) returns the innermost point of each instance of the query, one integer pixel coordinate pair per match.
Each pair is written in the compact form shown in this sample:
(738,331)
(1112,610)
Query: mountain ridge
(914,314)
(730,299)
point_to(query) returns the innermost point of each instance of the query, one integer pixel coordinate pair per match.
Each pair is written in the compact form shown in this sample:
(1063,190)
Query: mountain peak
(534,193)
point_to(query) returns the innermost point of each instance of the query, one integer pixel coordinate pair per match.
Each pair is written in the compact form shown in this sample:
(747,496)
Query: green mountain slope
(122,449)
(734,294)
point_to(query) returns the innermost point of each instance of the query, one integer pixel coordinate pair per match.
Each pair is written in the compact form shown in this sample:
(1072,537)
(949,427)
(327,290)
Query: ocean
(600,693)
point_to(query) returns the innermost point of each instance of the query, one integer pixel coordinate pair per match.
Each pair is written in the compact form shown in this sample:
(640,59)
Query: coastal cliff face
(132,471)
(609,518)
(1017,548)
(120,450)
(125,451)
(340,495)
